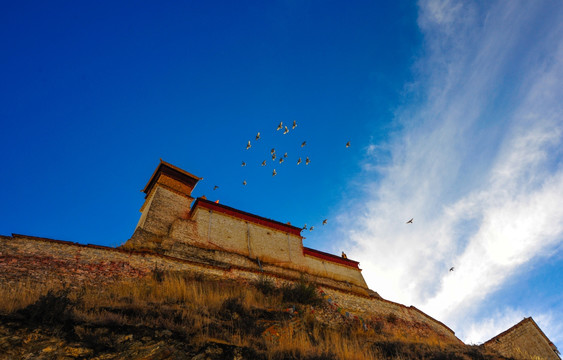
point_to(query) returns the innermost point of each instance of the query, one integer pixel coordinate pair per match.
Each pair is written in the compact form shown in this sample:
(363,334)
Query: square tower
(168,197)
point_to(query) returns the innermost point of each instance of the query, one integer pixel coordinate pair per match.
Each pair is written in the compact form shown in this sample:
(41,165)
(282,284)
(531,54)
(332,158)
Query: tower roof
(171,171)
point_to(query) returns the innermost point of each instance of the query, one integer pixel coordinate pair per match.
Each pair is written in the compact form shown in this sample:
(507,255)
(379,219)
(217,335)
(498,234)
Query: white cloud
(500,320)
(485,329)
(551,325)
(478,165)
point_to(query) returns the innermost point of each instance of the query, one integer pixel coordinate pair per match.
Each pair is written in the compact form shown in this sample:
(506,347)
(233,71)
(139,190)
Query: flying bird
(299,161)
(286,130)
(303,143)
(264,163)
(274,173)
(285,155)
(215,187)
(324,221)
(294,124)
(273,151)
(274,156)
(348,144)
(307,161)
(244,182)
(410,221)
(243,164)
(280,126)
(248,146)
(281,160)
(258,136)
(311,228)
(305,227)
(452,268)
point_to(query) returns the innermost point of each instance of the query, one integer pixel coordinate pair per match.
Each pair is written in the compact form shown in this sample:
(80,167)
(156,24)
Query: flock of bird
(273,151)
(281,158)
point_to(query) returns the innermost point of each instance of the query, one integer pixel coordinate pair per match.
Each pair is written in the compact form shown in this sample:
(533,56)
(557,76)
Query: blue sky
(452,108)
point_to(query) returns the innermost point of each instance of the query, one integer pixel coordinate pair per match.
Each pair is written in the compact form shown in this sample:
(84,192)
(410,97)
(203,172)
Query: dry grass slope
(171,316)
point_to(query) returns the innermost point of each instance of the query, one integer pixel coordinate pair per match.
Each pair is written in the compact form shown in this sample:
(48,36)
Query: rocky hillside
(174,316)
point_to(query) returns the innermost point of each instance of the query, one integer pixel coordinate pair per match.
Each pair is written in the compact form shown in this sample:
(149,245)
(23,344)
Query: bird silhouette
(243,164)
(410,221)
(344,255)
(348,144)
(274,173)
(311,228)
(286,130)
(248,146)
(215,187)
(274,156)
(452,268)
(324,221)
(244,182)
(285,155)
(307,161)
(264,163)
(294,124)
(281,160)
(280,126)
(303,143)
(258,136)
(273,151)
(305,227)
(299,161)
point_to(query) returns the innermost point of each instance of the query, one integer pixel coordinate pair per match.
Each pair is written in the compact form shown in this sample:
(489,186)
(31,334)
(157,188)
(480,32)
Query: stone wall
(524,340)
(166,225)
(29,259)
(228,233)
(375,307)
(162,206)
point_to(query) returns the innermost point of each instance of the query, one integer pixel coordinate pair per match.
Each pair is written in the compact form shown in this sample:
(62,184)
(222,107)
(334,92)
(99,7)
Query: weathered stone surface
(524,340)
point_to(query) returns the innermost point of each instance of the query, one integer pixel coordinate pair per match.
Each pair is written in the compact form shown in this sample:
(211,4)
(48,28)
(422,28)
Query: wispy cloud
(478,163)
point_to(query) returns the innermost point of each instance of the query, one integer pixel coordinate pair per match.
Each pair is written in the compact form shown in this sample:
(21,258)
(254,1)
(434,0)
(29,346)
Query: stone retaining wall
(28,258)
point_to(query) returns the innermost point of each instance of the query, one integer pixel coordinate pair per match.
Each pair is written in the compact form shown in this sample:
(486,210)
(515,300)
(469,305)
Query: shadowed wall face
(524,340)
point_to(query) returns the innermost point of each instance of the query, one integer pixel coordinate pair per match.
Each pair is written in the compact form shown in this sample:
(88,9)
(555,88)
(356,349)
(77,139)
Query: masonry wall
(243,237)
(333,270)
(162,207)
(374,307)
(523,341)
(32,259)
(217,230)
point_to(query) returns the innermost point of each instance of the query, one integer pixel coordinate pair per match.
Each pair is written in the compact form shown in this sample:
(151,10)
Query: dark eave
(173,172)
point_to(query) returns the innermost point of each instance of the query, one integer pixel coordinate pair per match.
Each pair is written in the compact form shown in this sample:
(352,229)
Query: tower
(168,197)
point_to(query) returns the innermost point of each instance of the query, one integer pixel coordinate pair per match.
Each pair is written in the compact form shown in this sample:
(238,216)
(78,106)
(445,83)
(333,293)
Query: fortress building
(178,233)
(210,232)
